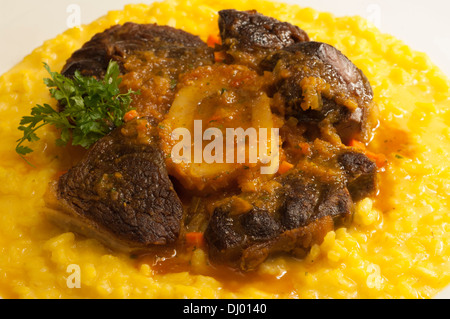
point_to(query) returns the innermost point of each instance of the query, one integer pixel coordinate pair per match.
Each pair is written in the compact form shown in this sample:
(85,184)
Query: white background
(423,25)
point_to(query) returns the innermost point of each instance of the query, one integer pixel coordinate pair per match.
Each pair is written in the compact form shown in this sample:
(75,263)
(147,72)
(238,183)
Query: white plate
(423,25)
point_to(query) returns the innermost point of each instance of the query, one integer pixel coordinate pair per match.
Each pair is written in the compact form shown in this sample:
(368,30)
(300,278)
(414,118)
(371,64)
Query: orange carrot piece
(380,159)
(358,144)
(130,115)
(212,40)
(195,239)
(219,56)
(284,167)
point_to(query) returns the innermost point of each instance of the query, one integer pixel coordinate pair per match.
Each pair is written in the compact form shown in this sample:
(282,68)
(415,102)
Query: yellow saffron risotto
(397,247)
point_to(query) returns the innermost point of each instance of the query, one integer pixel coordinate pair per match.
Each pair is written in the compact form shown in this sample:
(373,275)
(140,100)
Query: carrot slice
(130,115)
(358,144)
(284,167)
(379,158)
(212,40)
(219,56)
(195,239)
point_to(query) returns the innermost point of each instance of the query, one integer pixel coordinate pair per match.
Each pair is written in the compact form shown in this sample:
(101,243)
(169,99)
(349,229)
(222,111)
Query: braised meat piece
(120,41)
(295,216)
(292,211)
(121,192)
(248,36)
(361,173)
(151,58)
(315,81)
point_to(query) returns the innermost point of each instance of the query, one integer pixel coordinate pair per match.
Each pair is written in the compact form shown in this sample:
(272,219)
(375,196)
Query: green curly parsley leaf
(90,109)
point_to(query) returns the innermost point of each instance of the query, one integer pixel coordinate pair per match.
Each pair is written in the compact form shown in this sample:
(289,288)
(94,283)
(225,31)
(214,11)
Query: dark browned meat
(295,211)
(151,58)
(316,81)
(248,36)
(121,192)
(361,174)
(290,220)
(120,41)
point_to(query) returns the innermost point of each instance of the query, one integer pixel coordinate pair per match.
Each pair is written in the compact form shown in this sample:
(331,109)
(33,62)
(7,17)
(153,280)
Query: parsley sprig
(90,109)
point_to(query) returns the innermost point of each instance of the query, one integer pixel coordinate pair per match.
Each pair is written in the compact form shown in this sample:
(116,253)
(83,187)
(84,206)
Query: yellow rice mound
(397,247)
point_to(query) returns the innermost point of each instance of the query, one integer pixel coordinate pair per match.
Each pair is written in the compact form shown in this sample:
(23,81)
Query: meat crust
(316,81)
(303,213)
(122,192)
(119,41)
(248,36)
(252,30)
